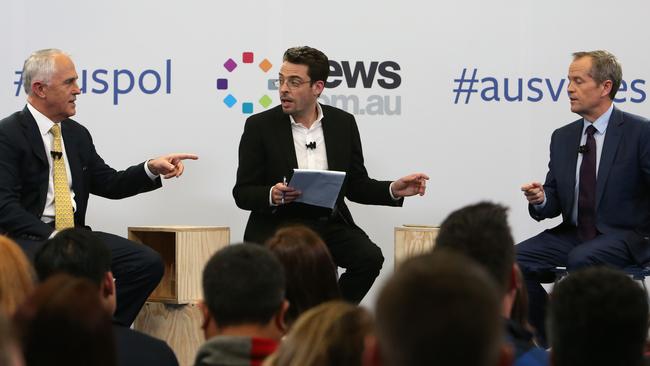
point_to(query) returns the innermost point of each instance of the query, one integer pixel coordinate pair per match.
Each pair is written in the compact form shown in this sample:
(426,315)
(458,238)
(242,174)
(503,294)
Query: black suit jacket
(139,349)
(267,154)
(24,175)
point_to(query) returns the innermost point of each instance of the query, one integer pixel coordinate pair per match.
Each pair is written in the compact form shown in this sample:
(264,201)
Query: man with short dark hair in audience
(243,308)
(482,233)
(597,316)
(80,253)
(438,309)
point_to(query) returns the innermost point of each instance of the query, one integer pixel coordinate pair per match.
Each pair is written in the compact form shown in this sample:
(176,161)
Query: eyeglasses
(292,82)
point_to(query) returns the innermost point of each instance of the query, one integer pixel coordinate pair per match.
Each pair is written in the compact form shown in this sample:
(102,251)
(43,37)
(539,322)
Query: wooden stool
(411,240)
(171,312)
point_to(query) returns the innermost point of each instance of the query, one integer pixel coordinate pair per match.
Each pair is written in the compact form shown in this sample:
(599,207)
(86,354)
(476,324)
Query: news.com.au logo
(225,84)
(532,90)
(347,87)
(119,82)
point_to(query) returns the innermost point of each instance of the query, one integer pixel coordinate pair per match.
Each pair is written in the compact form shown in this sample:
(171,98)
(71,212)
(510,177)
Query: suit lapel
(572,161)
(610,146)
(33,135)
(330,135)
(284,136)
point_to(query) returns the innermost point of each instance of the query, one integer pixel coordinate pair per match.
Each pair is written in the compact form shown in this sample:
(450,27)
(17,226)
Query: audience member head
(308,266)
(9,351)
(79,253)
(481,232)
(16,276)
(63,323)
(332,333)
(597,316)
(243,287)
(439,309)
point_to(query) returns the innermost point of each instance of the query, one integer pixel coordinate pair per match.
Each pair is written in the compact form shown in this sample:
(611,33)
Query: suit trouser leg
(353,250)
(560,246)
(137,270)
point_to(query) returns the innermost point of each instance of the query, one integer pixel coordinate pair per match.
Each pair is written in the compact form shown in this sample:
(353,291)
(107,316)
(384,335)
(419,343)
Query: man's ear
(280,317)
(506,355)
(318,87)
(607,87)
(108,284)
(38,89)
(206,315)
(371,355)
(516,280)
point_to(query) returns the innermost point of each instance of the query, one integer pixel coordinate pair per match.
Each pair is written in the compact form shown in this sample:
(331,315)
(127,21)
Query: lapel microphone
(311,145)
(583,149)
(56,155)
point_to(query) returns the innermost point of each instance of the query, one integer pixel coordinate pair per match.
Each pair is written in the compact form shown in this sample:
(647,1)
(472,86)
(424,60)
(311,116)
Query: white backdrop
(472,151)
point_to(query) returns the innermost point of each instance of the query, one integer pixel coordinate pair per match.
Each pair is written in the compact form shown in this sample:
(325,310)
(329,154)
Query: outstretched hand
(170,165)
(410,185)
(534,192)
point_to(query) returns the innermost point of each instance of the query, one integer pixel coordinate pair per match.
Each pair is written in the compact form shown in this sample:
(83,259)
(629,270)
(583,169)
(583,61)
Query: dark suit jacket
(267,154)
(623,182)
(139,349)
(24,175)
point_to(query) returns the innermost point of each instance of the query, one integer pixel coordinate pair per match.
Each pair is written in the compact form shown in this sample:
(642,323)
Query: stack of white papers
(318,187)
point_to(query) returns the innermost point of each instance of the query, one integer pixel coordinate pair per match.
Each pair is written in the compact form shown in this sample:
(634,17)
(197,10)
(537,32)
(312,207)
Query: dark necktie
(587,189)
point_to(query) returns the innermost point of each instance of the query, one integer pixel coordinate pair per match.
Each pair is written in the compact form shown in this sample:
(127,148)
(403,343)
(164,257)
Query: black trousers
(349,246)
(137,270)
(352,250)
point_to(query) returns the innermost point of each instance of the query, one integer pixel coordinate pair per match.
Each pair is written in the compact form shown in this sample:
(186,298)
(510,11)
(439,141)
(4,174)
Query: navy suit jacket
(623,181)
(24,175)
(267,154)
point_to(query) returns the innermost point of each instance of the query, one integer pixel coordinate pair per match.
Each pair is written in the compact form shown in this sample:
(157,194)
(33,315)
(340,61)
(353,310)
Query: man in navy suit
(598,180)
(301,133)
(28,154)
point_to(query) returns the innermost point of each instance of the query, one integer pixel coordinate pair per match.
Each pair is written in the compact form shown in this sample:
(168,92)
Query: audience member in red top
(244,306)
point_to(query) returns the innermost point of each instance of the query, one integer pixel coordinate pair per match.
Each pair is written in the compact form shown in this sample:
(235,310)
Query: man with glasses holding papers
(300,133)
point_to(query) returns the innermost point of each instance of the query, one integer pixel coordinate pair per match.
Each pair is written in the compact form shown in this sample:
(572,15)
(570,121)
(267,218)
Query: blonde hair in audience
(332,333)
(16,276)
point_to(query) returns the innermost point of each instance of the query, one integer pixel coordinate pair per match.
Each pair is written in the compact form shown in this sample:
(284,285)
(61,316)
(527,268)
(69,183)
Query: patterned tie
(64,218)
(587,189)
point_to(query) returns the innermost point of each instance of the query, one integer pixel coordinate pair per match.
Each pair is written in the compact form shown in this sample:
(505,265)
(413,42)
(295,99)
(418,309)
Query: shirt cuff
(271,197)
(151,175)
(540,206)
(390,191)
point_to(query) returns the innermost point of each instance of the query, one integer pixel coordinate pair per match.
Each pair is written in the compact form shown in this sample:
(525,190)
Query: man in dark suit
(80,253)
(49,166)
(301,133)
(598,180)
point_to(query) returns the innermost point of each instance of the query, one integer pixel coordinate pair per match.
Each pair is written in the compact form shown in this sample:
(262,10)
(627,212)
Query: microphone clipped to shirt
(56,155)
(311,145)
(583,149)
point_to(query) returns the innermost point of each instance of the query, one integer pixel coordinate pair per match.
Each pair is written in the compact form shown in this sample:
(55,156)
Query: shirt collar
(318,118)
(601,122)
(44,123)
